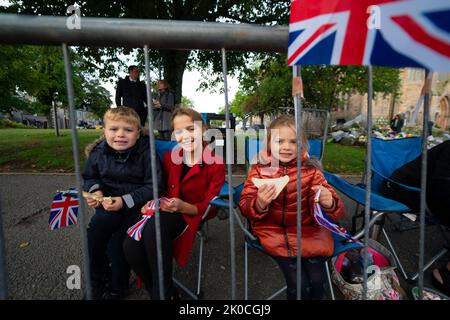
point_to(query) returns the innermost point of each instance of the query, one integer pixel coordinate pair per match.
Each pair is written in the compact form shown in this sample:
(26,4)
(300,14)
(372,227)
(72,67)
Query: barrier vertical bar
(154,174)
(368,176)
(423,181)
(76,158)
(3,274)
(298,123)
(229,159)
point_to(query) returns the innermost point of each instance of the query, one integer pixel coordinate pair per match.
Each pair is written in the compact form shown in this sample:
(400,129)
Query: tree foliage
(173,63)
(186,102)
(267,87)
(32,76)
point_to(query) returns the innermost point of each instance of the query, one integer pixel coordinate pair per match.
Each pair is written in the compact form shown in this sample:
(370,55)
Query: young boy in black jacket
(119,167)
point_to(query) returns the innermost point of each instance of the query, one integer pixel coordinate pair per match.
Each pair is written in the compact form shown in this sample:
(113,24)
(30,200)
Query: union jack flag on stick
(321,218)
(149,209)
(393,33)
(64,209)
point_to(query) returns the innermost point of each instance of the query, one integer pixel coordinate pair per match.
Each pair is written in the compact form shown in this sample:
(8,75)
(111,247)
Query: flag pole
(229,159)
(297,92)
(426,90)
(368,175)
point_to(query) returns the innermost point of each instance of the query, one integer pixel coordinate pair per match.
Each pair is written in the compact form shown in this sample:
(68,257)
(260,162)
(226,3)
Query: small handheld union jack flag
(64,209)
(135,231)
(325,222)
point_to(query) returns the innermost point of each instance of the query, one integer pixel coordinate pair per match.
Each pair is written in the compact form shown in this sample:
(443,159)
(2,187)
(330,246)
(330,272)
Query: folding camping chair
(163,146)
(387,156)
(340,246)
(316,148)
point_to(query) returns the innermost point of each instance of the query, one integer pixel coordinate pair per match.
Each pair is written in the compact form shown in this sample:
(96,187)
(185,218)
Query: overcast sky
(203,101)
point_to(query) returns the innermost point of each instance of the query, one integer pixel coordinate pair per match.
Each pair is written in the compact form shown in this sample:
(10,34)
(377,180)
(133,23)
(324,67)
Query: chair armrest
(404,186)
(358,194)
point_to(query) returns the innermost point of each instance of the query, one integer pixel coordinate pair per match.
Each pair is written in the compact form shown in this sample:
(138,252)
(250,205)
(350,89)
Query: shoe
(97,293)
(175,295)
(445,275)
(111,295)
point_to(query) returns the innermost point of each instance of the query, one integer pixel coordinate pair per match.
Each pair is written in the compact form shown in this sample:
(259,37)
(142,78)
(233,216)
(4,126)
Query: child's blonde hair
(125,114)
(289,121)
(285,121)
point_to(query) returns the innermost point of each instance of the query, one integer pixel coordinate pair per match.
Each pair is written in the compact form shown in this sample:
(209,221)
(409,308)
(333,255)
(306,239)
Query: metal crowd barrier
(180,35)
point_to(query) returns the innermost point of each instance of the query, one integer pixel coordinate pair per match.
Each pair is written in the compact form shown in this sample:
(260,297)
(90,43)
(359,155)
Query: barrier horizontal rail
(161,34)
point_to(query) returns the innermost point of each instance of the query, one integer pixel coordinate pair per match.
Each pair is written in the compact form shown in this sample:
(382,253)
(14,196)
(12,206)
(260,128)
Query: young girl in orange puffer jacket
(274,217)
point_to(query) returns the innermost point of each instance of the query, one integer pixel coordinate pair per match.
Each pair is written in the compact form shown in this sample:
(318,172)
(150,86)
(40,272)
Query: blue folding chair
(387,156)
(163,146)
(252,149)
(340,246)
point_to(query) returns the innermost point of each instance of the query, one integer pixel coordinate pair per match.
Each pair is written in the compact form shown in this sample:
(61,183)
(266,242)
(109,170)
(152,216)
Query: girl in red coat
(274,217)
(194,177)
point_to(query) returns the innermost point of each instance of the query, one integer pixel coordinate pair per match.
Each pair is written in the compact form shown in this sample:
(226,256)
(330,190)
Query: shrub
(6,123)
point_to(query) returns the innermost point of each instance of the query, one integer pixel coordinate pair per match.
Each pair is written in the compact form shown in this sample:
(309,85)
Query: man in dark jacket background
(131,92)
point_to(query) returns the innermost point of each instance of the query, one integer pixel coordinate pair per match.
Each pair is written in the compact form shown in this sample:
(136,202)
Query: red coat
(277,227)
(201,184)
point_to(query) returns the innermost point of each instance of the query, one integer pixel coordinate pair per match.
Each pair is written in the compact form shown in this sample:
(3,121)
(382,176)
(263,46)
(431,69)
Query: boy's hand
(326,200)
(266,194)
(94,203)
(116,205)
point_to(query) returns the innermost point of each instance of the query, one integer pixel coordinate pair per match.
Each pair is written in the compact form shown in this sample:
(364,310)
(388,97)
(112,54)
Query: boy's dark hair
(132,67)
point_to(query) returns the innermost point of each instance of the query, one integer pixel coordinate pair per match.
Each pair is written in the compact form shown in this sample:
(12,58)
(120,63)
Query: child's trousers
(142,255)
(313,276)
(106,233)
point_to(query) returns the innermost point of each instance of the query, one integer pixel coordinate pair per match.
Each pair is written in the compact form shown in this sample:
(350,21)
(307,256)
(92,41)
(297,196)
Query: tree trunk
(174,63)
(391,107)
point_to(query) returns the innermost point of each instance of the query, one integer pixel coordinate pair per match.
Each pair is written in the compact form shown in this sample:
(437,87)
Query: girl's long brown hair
(191,113)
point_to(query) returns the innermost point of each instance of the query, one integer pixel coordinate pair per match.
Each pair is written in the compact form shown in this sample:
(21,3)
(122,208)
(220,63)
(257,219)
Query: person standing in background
(163,106)
(131,92)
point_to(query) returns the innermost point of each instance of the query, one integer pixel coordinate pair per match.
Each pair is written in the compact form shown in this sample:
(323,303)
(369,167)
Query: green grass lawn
(344,159)
(39,150)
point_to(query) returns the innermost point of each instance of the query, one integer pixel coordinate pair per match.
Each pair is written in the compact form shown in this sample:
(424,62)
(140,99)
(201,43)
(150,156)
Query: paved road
(37,258)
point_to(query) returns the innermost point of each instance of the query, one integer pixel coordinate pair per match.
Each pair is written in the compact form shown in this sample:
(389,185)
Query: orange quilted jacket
(277,227)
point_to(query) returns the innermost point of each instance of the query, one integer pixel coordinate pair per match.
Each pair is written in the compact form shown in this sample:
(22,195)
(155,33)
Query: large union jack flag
(64,210)
(395,33)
